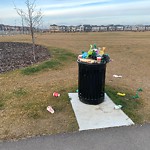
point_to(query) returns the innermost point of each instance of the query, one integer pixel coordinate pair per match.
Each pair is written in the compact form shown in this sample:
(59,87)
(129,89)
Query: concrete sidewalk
(118,138)
(98,116)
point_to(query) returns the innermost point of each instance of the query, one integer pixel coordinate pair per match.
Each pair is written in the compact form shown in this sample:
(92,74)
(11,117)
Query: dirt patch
(15,55)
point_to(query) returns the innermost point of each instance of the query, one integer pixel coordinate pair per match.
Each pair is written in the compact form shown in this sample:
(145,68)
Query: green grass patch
(3,99)
(19,92)
(58,57)
(34,115)
(35,109)
(129,105)
(1,104)
(42,66)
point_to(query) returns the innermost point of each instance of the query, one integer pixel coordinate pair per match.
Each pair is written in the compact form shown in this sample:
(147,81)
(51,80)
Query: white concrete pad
(98,116)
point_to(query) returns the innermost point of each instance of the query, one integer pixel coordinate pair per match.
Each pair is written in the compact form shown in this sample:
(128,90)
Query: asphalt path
(135,137)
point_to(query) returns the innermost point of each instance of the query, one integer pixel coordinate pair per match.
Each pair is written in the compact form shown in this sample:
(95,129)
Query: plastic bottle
(95,47)
(102,51)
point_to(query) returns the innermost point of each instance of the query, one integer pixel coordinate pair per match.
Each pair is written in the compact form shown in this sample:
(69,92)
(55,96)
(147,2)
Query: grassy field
(24,95)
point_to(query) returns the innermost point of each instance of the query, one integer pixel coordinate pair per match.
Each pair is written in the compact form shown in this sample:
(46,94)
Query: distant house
(141,28)
(6,27)
(87,28)
(95,28)
(62,28)
(10,28)
(147,27)
(2,27)
(80,28)
(13,28)
(134,28)
(111,28)
(18,28)
(54,28)
(25,29)
(72,28)
(119,27)
(103,28)
(127,28)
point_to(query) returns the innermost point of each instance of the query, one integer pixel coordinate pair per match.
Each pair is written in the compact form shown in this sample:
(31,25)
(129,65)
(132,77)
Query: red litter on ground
(55,94)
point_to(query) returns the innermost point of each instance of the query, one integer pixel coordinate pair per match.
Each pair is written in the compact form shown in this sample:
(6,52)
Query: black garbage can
(91,82)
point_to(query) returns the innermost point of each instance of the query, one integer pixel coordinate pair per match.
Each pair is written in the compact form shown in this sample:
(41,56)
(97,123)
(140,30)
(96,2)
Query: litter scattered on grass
(117,107)
(55,94)
(139,89)
(50,109)
(137,93)
(117,76)
(121,94)
(136,96)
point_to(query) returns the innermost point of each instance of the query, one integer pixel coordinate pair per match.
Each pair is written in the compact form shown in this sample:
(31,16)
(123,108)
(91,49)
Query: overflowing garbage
(94,55)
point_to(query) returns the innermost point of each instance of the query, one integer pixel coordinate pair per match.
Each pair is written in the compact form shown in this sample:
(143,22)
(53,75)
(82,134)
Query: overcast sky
(75,12)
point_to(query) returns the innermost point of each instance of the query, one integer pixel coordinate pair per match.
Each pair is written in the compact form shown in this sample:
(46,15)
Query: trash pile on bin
(94,55)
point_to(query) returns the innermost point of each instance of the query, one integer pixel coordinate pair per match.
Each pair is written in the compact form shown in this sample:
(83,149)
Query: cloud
(86,11)
(125,13)
(67,4)
(129,8)
(7,13)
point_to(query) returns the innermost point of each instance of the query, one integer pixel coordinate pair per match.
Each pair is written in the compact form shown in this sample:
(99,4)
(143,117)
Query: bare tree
(20,13)
(32,18)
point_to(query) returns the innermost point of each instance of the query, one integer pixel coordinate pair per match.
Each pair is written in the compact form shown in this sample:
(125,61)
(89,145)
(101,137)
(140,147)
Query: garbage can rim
(90,63)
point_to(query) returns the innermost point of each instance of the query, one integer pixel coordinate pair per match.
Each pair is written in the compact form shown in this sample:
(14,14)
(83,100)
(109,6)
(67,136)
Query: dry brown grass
(26,97)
